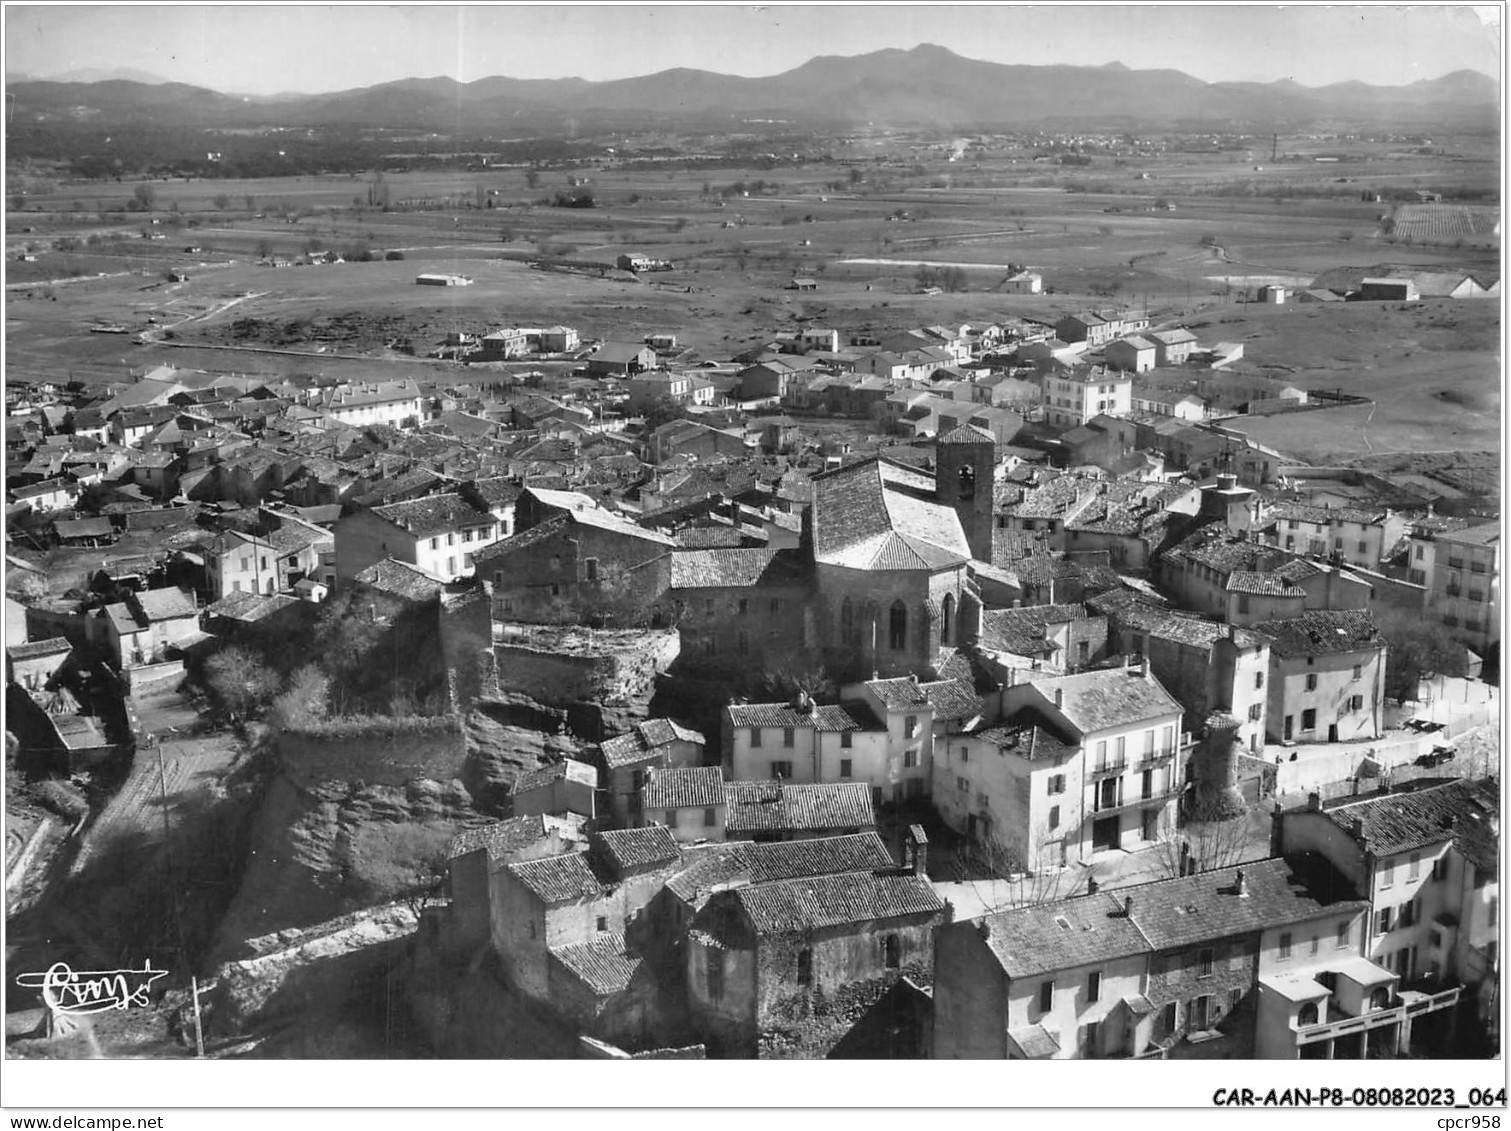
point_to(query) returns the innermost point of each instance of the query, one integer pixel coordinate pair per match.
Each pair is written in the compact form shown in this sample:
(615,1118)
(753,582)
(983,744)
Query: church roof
(878,515)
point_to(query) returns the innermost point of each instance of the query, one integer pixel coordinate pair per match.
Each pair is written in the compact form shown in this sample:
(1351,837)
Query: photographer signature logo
(92,991)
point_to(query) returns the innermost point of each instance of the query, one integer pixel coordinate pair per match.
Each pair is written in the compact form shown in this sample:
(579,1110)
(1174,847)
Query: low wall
(137,679)
(375,749)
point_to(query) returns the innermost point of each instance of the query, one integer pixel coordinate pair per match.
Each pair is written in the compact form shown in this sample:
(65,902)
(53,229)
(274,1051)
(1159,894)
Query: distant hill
(925,85)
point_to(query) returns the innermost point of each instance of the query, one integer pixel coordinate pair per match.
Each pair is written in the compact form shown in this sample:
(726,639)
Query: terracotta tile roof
(1262,585)
(967,434)
(642,742)
(603,964)
(400,579)
(1465,812)
(954,700)
(434,514)
(33,649)
(769,806)
(1021,631)
(878,515)
(567,769)
(166,604)
(503,838)
(558,879)
(1032,941)
(1322,632)
(1096,700)
(1182,912)
(822,718)
(700,787)
(1031,743)
(828,901)
(1324,516)
(738,568)
(900,694)
(630,850)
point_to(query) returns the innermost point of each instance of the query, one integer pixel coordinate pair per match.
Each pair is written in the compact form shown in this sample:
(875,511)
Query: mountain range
(922,86)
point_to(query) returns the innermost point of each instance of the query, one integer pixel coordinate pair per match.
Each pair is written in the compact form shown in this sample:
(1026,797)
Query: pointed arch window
(897,627)
(967,483)
(947,619)
(847,622)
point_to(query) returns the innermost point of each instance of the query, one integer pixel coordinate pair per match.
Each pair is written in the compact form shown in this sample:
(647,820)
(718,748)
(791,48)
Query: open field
(1099,235)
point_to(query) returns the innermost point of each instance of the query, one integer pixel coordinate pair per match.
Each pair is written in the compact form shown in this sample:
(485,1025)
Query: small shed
(803,284)
(1388,289)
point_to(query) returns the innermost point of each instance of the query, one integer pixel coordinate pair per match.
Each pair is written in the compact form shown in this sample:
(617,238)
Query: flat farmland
(1445,223)
(1432,369)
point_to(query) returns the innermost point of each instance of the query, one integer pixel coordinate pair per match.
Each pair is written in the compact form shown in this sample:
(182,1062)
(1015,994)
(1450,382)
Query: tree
(856,176)
(222,201)
(1000,878)
(242,682)
(144,197)
(1209,840)
(250,201)
(532,179)
(1418,649)
(264,248)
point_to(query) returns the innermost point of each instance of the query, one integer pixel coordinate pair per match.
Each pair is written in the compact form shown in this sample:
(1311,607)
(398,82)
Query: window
(846,740)
(708,607)
(897,627)
(1309,719)
(1256,711)
(742,642)
(532,928)
(965,753)
(845,765)
(962,785)
(805,967)
(1057,783)
(1383,919)
(1094,986)
(1414,866)
(1101,762)
(1307,1014)
(789,737)
(1316,944)
(1311,681)
(451,565)
(603,922)
(435,544)
(744,606)
(1199,1013)
(590,567)
(714,960)
(1235,998)
(1492,909)
(1054,816)
(1387,875)
(1091,1034)
(847,623)
(506,604)
(1285,945)
(909,726)
(781,769)
(1046,997)
(755,736)
(1440,868)
(555,560)
(710,818)
(1122,747)
(556,592)
(892,951)
(910,759)
(451,539)
(1204,961)
(1258,680)
(1243,602)
(1358,670)
(776,607)
(1342,936)
(1409,913)
(946,618)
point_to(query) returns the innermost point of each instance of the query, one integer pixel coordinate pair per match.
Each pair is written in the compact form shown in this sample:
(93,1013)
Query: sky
(273,48)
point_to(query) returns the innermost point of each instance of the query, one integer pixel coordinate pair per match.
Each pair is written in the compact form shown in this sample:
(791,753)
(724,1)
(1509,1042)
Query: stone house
(770,965)
(743,608)
(138,629)
(774,811)
(583,564)
(475,856)
(440,534)
(1049,638)
(559,789)
(1359,536)
(1327,677)
(1127,729)
(649,745)
(688,801)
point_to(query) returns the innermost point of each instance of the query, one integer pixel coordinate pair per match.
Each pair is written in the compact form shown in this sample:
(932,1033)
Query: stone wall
(604,680)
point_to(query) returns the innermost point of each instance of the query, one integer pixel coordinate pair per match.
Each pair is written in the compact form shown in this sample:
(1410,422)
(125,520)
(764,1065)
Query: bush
(392,255)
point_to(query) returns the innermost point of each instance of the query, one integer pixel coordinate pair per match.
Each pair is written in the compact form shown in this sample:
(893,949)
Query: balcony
(1138,801)
(1111,769)
(1148,761)
(1410,1005)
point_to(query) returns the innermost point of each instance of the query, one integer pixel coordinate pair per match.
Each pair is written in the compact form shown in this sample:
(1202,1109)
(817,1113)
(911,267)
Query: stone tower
(964,461)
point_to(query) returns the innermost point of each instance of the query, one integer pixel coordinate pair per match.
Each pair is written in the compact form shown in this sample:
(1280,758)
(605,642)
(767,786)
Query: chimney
(1241,884)
(1314,802)
(1449,821)
(917,845)
(372,614)
(1143,665)
(1128,907)
(1091,885)
(1357,829)
(1059,697)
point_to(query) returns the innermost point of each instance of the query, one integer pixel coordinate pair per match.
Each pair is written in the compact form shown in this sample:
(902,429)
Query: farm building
(1272,295)
(1390,289)
(1132,354)
(621,359)
(803,284)
(1023,283)
(442,281)
(1318,294)
(642,263)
